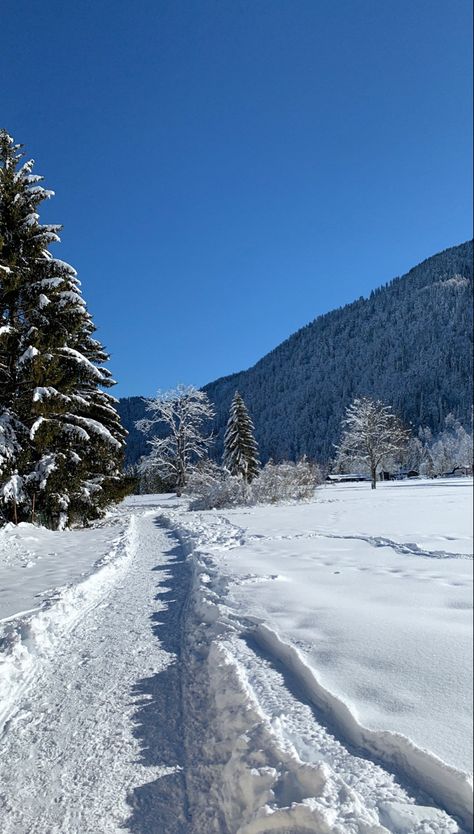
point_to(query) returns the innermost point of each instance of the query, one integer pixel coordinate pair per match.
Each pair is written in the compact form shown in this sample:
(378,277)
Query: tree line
(373,439)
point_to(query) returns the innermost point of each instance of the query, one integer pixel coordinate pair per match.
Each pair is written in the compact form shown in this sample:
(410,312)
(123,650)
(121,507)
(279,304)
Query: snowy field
(292,668)
(366,599)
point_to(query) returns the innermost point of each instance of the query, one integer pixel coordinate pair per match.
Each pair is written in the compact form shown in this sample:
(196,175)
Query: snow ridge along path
(30,638)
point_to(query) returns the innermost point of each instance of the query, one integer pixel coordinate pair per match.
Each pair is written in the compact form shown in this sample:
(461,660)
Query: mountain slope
(409,344)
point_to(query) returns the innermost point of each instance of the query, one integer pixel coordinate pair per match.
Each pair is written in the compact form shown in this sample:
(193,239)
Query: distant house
(406,473)
(457,471)
(351,477)
(384,475)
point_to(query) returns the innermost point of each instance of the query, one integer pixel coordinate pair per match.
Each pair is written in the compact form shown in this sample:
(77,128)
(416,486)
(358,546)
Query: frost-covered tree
(451,449)
(371,435)
(240,447)
(66,439)
(184,412)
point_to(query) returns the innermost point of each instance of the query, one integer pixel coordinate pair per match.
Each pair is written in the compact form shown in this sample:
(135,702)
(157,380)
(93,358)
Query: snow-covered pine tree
(240,447)
(65,437)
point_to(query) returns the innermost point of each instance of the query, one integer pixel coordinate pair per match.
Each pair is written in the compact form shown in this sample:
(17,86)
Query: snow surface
(297,668)
(35,563)
(367,599)
(82,748)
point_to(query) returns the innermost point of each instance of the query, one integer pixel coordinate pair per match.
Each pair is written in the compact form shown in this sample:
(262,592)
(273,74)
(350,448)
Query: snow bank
(29,637)
(452,788)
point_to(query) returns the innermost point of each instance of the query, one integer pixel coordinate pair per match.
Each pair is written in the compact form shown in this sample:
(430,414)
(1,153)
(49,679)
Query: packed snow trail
(96,743)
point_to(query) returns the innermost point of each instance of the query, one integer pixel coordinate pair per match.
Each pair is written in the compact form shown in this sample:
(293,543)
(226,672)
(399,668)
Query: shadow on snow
(160,806)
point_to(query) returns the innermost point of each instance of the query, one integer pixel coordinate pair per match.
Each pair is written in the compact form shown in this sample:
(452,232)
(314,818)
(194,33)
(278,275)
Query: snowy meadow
(366,598)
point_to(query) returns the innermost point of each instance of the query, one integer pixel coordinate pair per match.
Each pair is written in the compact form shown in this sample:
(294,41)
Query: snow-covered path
(101,723)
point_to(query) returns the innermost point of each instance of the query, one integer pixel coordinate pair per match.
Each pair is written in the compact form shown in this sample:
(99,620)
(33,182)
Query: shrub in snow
(150,482)
(213,487)
(184,412)
(286,481)
(59,428)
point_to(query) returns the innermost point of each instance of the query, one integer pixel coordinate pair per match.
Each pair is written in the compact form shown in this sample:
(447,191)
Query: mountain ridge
(409,342)
(367,297)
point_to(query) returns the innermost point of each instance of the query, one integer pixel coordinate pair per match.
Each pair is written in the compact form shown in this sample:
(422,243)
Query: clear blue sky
(227,170)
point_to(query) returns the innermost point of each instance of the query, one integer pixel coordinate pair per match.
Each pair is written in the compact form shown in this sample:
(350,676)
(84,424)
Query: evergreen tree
(65,437)
(240,447)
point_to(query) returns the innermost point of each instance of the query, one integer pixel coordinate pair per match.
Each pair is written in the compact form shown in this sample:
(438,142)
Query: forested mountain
(408,344)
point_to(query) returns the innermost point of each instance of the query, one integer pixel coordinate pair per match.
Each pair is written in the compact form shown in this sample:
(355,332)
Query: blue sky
(227,170)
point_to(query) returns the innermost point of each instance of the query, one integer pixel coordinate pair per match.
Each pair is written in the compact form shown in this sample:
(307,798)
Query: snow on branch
(12,491)
(38,190)
(36,425)
(97,428)
(82,360)
(9,445)
(28,354)
(41,393)
(45,466)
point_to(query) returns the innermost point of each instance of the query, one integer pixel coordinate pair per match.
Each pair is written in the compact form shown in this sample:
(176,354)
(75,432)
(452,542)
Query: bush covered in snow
(213,487)
(287,481)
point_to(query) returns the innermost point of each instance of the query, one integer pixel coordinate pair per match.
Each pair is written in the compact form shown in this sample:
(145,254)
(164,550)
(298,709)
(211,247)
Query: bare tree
(371,434)
(184,411)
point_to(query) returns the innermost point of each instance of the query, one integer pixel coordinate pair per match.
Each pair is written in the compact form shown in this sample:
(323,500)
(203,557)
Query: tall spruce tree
(62,439)
(240,447)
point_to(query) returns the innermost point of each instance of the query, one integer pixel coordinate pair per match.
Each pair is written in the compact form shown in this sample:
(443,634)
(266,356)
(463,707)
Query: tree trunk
(373,475)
